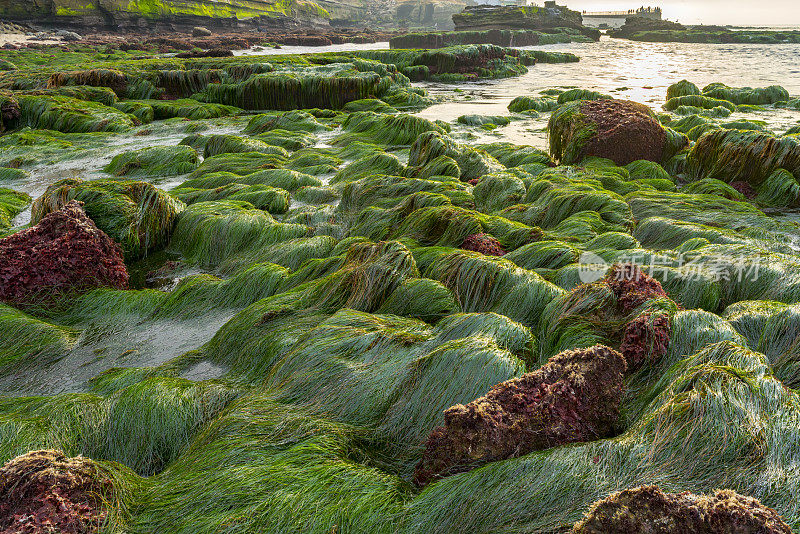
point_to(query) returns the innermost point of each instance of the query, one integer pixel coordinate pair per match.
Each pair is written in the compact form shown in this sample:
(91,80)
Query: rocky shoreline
(196,38)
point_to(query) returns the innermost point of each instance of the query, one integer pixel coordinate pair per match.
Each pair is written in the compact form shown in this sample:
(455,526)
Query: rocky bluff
(166,14)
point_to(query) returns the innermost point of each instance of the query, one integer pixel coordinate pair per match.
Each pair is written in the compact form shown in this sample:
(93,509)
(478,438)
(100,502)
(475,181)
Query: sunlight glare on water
(629,70)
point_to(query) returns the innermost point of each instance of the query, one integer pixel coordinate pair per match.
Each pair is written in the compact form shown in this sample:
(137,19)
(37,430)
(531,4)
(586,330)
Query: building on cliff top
(615,19)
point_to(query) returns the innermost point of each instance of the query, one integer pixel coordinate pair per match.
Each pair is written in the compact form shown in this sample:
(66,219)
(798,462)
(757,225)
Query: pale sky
(738,12)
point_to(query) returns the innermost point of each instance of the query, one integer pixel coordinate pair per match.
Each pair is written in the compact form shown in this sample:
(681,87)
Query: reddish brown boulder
(620,130)
(574,397)
(744,188)
(647,510)
(626,131)
(483,243)
(646,339)
(65,252)
(633,287)
(44,492)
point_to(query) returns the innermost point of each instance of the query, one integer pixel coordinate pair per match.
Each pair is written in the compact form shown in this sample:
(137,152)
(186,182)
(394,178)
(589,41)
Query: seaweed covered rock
(44,492)
(574,397)
(619,130)
(738,155)
(647,509)
(154,161)
(526,103)
(64,252)
(645,338)
(483,243)
(69,115)
(328,87)
(747,95)
(472,162)
(632,287)
(682,88)
(137,215)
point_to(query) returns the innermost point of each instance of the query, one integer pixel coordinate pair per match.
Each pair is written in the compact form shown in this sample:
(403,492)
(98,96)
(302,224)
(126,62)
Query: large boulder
(647,510)
(44,492)
(65,252)
(200,31)
(620,130)
(574,397)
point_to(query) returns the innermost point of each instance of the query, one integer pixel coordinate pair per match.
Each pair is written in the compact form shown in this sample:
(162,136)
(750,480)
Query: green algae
(335,351)
(154,162)
(70,115)
(137,215)
(11,204)
(682,88)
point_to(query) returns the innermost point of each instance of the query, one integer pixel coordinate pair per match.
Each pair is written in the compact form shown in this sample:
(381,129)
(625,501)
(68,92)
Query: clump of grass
(137,215)
(156,161)
(11,204)
(734,155)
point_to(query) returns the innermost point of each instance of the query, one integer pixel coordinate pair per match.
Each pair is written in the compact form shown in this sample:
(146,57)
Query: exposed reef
(296,300)
(664,31)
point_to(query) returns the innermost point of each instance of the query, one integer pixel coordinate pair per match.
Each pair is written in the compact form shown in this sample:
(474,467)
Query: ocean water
(624,69)
(629,70)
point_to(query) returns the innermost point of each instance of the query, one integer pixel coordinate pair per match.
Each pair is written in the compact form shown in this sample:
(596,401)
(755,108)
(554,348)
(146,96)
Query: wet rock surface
(44,492)
(648,510)
(64,252)
(574,397)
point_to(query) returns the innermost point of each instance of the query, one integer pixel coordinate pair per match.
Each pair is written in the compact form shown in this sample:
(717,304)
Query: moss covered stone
(619,130)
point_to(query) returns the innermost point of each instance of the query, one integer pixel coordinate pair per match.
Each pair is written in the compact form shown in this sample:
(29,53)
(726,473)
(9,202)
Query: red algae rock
(646,338)
(647,510)
(632,287)
(745,188)
(483,243)
(574,397)
(64,252)
(44,492)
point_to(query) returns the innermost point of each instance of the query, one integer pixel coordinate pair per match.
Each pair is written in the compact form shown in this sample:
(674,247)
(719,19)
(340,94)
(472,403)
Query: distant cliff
(483,17)
(165,14)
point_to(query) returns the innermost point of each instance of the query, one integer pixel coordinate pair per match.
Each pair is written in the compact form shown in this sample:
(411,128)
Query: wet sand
(21,38)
